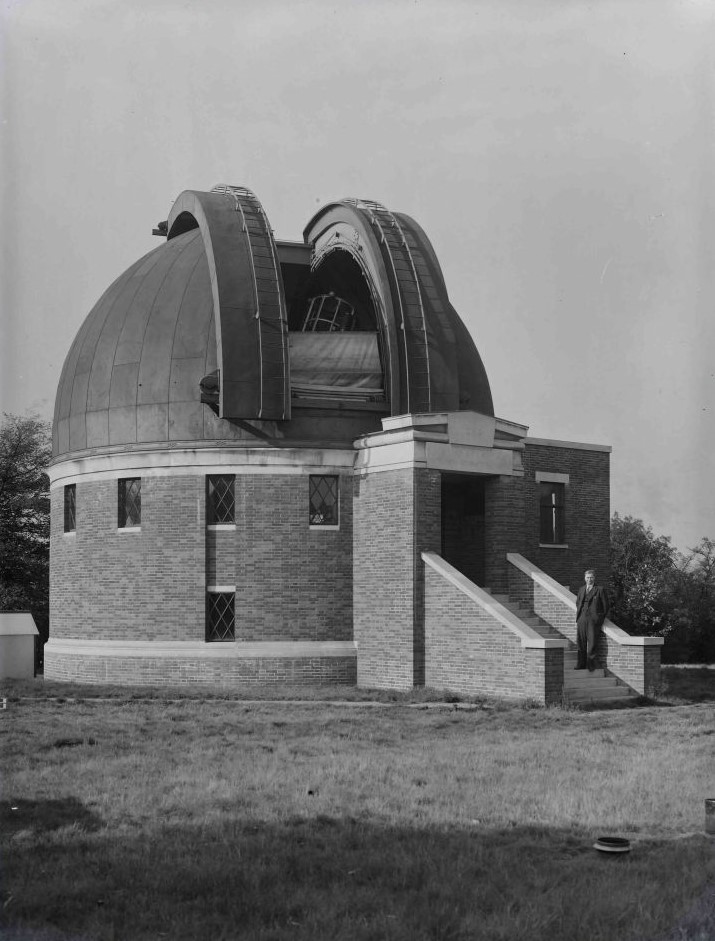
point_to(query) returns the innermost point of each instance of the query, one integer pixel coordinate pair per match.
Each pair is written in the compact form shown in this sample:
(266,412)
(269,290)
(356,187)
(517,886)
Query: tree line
(25,452)
(655,589)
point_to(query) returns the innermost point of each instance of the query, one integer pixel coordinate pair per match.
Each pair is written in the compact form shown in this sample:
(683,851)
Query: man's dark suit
(591,611)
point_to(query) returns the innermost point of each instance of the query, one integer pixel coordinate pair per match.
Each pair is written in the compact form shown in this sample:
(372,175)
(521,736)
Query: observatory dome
(223,334)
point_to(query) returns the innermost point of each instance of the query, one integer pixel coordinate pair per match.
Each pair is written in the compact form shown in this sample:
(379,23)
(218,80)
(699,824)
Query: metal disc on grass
(612,844)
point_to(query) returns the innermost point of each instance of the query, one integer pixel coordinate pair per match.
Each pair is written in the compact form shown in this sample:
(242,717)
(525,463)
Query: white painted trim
(221,527)
(201,650)
(185,462)
(527,635)
(129,529)
(221,589)
(546,581)
(574,445)
(69,532)
(329,526)
(553,545)
(547,477)
(569,599)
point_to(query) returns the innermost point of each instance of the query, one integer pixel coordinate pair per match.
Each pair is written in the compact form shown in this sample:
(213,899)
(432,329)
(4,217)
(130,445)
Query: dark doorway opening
(463,524)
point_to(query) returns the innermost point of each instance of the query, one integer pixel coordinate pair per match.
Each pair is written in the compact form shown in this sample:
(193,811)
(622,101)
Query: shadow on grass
(687,685)
(326,879)
(33,817)
(40,689)
(679,687)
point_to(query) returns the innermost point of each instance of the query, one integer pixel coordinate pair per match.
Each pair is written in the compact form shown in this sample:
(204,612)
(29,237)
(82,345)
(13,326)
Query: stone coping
(527,635)
(168,649)
(569,445)
(569,599)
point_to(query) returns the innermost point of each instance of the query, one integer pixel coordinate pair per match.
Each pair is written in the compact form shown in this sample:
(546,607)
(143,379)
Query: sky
(558,153)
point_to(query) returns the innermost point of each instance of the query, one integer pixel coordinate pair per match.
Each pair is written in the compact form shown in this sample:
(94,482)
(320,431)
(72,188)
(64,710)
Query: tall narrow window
(220,499)
(70,508)
(130,502)
(552,507)
(220,616)
(323,508)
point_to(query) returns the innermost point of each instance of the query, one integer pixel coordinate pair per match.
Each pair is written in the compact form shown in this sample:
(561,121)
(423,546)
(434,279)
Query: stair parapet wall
(635,660)
(475,646)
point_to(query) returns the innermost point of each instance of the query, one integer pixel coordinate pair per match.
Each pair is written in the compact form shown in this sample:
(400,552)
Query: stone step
(580,686)
(579,677)
(612,694)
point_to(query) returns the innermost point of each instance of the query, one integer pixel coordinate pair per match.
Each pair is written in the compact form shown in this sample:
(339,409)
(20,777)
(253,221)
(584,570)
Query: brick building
(277,462)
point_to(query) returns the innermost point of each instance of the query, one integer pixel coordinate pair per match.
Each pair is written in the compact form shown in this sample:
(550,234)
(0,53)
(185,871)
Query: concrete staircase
(580,686)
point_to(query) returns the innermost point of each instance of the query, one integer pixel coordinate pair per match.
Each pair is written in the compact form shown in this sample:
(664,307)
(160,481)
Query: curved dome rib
(249,304)
(428,370)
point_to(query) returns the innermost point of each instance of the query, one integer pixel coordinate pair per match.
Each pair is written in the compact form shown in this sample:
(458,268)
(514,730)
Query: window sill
(553,545)
(221,527)
(70,532)
(319,526)
(129,529)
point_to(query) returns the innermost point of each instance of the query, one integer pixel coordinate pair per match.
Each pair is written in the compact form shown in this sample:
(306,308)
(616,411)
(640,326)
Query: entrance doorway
(463,524)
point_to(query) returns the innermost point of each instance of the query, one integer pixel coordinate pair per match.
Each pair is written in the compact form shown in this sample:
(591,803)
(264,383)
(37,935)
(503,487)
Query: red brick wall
(397,517)
(229,673)
(292,582)
(471,652)
(588,513)
(146,585)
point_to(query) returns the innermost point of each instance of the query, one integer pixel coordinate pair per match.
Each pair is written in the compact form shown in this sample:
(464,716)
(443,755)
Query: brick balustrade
(634,660)
(476,646)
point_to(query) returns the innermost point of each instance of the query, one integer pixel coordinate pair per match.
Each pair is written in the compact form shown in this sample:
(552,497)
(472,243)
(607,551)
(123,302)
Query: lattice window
(70,508)
(220,616)
(323,501)
(221,500)
(130,502)
(552,508)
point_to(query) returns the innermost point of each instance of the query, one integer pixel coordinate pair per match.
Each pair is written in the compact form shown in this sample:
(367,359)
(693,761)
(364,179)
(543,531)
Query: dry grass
(218,819)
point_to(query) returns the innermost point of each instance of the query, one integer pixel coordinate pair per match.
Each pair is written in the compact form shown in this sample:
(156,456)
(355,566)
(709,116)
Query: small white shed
(17,644)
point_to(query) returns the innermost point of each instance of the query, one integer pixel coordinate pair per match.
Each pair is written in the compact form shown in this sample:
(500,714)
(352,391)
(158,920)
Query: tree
(644,571)
(699,591)
(657,590)
(25,451)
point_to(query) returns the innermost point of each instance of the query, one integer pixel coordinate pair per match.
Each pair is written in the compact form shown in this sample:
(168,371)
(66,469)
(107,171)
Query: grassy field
(130,815)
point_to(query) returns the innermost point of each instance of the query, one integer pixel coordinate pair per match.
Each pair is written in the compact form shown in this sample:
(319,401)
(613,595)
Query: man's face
(590,580)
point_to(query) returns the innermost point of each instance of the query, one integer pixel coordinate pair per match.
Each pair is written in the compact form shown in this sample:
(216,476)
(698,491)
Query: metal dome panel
(132,375)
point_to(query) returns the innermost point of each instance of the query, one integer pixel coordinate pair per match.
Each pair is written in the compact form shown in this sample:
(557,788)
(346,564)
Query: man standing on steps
(591,611)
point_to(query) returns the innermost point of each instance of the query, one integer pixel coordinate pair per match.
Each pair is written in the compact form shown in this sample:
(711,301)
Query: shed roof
(17,622)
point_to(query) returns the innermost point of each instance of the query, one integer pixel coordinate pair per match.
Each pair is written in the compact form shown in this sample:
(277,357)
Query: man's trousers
(587,634)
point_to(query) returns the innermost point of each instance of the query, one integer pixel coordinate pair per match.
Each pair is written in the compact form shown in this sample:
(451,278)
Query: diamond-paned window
(70,508)
(130,502)
(220,498)
(220,617)
(323,509)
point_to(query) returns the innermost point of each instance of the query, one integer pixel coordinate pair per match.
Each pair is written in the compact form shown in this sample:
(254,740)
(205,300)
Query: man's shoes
(591,668)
